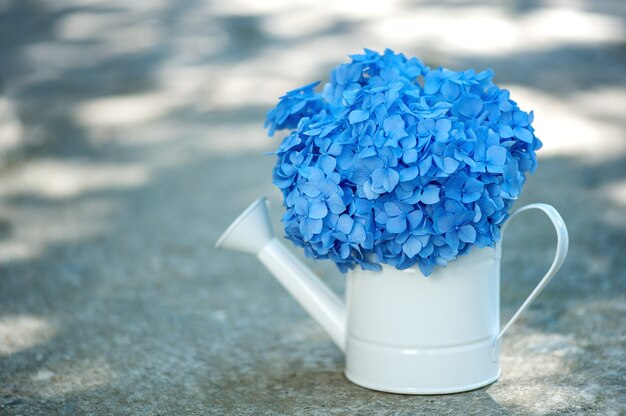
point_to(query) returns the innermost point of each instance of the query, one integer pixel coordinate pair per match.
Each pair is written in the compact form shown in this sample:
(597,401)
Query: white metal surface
(425,335)
(314,296)
(562,245)
(402,332)
(252,233)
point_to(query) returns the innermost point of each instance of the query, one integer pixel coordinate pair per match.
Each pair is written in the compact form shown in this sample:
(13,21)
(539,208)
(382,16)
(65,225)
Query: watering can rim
(220,241)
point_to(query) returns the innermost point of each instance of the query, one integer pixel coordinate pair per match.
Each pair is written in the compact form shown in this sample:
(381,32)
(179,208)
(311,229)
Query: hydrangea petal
(335,204)
(467,234)
(463,217)
(344,224)
(415,218)
(386,179)
(469,105)
(496,155)
(393,209)
(310,189)
(344,251)
(396,225)
(505,131)
(408,174)
(394,127)
(444,222)
(520,118)
(523,134)
(327,163)
(356,116)
(412,247)
(449,165)
(317,210)
(430,195)
(410,156)
(358,234)
(450,90)
(452,239)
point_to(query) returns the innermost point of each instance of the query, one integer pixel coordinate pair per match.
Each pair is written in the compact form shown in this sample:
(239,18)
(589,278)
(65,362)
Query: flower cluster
(397,163)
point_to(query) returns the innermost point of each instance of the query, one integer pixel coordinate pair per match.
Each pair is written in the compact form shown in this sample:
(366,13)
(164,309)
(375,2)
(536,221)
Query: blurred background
(131,135)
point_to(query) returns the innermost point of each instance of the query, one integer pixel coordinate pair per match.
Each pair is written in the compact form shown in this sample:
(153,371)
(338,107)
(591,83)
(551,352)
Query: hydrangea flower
(396,163)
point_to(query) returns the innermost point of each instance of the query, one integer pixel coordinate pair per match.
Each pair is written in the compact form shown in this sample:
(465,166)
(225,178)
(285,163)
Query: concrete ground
(132,136)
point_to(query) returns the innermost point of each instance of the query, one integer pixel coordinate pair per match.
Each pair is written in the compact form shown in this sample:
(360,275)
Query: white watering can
(403,332)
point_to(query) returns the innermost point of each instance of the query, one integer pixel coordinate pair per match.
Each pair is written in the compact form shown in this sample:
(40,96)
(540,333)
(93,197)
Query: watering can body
(411,334)
(402,332)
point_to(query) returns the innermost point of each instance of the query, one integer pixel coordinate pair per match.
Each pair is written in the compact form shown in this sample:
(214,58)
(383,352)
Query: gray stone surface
(142,122)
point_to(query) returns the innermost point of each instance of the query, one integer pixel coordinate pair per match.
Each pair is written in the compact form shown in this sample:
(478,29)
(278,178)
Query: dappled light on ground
(20,332)
(56,179)
(71,378)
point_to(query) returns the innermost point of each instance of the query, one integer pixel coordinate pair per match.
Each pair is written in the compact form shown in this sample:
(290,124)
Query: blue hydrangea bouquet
(396,163)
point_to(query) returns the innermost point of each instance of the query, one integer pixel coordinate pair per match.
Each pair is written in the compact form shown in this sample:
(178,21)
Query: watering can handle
(561,251)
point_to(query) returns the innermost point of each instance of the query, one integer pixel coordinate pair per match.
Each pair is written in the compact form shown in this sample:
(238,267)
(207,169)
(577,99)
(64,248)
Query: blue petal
(327,163)
(425,268)
(301,206)
(444,124)
(425,165)
(473,185)
(306,229)
(372,163)
(396,225)
(505,131)
(449,165)
(386,179)
(357,116)
(523,134)
(463,217)
(469,105)
(444,222)
(310,189)
(328,187)
(433,82)
(452,238)
(394,178)
(415,218)
(394,127)
(496,155)
(430,195)
(317,210)
(344,224)
(408,174)
(357,235)
(454,192)
(367,152)
(411,247)
(344,251)
(449,90)
(309,227)
(335,204)
(282,182)
(404,192)
(292,197)
(393,209)
(410,156)
(467,234)
(520,118)
(469,197)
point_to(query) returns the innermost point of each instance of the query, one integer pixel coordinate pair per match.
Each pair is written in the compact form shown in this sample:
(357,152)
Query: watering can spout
(252,233)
